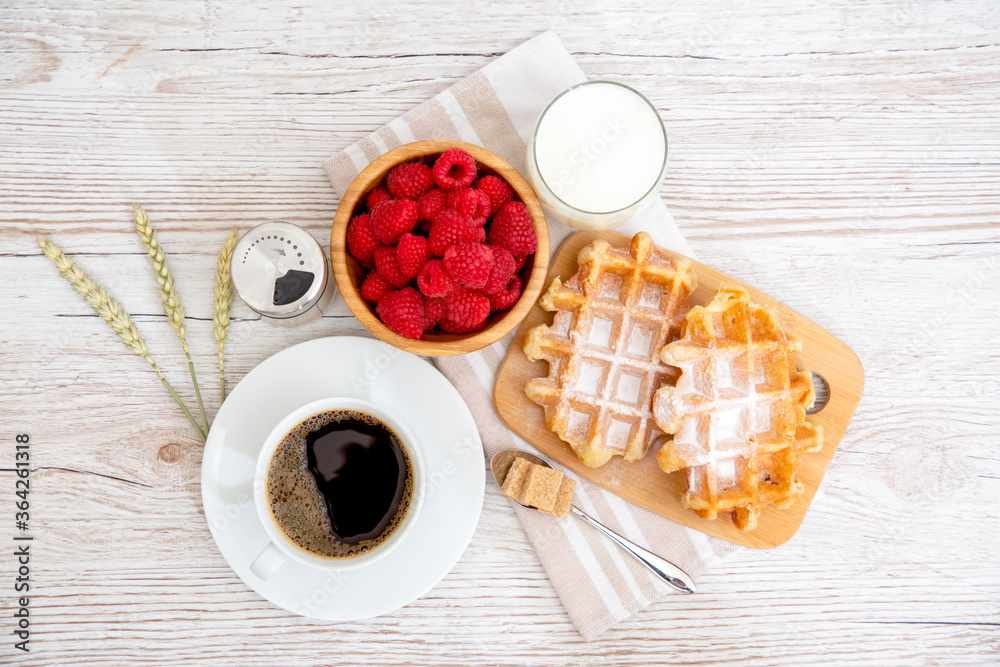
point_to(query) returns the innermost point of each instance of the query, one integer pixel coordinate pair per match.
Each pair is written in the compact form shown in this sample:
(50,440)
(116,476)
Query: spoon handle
(664,569)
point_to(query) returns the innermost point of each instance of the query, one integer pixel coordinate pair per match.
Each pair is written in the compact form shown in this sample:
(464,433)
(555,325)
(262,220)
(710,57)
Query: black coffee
(339,483)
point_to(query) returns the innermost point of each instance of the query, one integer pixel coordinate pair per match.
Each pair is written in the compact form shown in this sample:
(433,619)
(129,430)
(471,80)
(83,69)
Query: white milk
(597,155)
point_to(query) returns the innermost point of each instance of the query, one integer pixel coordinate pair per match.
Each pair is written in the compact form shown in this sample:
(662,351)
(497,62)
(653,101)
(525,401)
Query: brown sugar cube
(564,498)
(541,487)
(513,483)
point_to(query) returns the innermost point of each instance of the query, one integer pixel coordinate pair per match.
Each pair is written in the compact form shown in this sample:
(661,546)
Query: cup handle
(267,562)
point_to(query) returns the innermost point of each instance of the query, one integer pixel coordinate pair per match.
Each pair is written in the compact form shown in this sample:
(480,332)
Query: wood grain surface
(642,482)
(839,156)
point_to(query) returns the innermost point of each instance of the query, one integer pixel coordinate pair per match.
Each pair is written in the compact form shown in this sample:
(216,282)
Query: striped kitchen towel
(496,108)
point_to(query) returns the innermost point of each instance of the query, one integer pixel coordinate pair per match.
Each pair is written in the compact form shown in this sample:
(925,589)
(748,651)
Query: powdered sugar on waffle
(717,407)
(612,319)
(737,411)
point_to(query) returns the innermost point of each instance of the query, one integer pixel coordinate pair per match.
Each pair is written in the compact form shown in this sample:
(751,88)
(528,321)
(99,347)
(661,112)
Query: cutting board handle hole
(822,388)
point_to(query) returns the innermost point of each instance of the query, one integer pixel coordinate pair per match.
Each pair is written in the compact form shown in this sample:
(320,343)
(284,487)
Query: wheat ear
(223,301)
(172,307)
(111,312)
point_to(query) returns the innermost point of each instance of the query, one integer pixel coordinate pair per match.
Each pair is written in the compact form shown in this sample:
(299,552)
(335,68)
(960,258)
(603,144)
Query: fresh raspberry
(403,312)
(450,227)
(480,233)
(503,269)
(433,280)
(512,229)
(433,312)
(519,261)
(485,208)
(387,266)
(497,190)
(470,203)
(454,169)
(469,264)
(394,218)
(375,287)
(466,308)
(453,327)
(409,180)
(377,196)
(432,203)
(450,214)
(361,239)
(435,309)
(411,254)
(451,196)
(468,207)
(505,299)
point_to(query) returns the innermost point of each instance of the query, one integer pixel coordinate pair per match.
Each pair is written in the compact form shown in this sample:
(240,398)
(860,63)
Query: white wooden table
(840,156)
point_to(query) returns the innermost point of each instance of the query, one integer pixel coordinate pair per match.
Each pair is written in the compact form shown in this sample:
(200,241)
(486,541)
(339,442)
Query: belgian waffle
(612,319)
(737,411)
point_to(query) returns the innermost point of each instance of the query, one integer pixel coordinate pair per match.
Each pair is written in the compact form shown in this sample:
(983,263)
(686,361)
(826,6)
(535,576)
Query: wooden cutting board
(642,482)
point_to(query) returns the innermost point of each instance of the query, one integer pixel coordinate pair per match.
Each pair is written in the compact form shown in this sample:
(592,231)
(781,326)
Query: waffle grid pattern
(613,318)
(737,411)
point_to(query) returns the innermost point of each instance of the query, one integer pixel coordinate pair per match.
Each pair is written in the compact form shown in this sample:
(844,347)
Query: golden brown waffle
(737,411)
(603,348)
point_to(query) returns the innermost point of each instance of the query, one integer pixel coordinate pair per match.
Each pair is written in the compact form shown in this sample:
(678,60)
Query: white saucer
(414,391)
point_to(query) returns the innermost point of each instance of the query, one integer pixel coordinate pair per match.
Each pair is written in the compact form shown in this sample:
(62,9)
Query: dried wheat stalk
(172,306)
(111,312)
(223,301)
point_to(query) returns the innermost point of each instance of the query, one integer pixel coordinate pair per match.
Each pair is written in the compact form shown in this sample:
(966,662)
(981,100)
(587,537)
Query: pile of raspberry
(441,246)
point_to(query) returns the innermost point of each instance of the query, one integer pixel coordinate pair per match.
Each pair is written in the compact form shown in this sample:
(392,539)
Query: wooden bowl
(347,271)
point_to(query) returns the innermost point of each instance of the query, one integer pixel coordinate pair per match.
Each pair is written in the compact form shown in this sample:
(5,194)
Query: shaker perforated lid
(280,270)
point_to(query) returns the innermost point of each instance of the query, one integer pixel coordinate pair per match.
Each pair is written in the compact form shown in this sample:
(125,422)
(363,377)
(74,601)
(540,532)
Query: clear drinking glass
(597,155)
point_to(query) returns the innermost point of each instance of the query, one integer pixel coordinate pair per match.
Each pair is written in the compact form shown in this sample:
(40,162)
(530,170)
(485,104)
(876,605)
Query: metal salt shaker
(283,273)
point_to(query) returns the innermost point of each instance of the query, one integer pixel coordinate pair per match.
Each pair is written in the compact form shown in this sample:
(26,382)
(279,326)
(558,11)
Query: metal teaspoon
(663,568)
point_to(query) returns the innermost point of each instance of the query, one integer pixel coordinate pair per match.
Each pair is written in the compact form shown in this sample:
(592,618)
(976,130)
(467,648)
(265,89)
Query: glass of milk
(597,155)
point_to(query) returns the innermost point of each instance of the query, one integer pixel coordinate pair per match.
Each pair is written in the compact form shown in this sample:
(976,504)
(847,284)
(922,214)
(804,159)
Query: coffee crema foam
(296,503)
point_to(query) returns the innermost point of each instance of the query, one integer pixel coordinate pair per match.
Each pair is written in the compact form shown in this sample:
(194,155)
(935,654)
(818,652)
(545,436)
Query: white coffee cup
(280,548)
